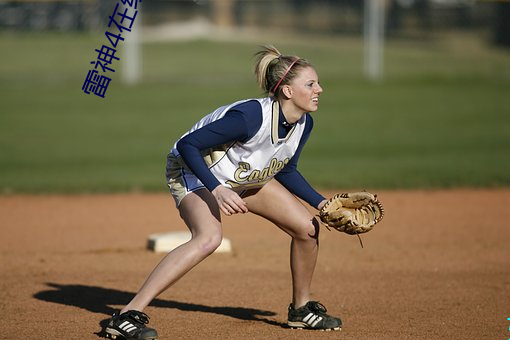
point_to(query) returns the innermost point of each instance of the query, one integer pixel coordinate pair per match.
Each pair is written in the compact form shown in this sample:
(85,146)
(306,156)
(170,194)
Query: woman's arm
(292,179)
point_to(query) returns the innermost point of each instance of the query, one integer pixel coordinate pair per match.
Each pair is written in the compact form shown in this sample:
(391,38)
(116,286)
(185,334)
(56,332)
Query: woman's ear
(287,91)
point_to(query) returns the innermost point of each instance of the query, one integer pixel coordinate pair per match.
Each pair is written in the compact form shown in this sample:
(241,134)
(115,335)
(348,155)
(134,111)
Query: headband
(283,77)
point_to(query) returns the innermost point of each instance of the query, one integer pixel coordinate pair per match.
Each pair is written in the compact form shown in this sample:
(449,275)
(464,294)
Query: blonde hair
(273,69)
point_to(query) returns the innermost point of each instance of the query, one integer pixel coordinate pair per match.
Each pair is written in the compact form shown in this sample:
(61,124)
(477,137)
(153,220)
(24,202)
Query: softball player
(243,158)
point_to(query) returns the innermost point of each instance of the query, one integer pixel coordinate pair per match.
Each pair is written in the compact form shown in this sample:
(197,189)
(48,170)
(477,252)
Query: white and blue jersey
(244,145)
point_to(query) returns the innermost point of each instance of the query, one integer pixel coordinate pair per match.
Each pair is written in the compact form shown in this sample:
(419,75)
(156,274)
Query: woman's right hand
(229,201)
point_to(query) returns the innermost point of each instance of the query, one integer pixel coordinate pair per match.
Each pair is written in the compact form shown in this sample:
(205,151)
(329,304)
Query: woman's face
(305,90)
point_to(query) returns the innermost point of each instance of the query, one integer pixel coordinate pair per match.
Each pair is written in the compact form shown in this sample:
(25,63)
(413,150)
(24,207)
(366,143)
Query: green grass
(440,118)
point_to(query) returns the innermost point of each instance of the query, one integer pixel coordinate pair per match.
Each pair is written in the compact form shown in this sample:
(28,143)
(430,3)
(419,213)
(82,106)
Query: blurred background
(415,91)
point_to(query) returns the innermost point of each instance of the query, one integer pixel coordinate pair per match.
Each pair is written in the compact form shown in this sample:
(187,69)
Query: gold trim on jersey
(275,123)
(213,155)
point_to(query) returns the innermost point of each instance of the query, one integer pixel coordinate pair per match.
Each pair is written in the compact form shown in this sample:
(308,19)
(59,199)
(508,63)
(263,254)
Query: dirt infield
(437,267)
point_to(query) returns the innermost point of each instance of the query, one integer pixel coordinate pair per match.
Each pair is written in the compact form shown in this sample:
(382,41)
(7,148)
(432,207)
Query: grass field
(439,118)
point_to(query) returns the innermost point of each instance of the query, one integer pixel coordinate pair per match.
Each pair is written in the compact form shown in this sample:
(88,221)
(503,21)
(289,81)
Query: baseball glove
(352,213)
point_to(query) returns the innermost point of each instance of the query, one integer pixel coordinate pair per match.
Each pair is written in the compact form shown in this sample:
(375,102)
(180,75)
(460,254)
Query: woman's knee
(208,242)
(309,231)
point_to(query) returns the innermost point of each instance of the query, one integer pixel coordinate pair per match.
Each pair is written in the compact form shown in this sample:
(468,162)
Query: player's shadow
(99,300)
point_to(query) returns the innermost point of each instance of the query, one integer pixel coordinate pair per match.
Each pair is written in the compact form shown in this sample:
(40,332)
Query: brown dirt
(436,267)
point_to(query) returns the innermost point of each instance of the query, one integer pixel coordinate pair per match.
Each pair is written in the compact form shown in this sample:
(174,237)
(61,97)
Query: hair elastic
(283,77)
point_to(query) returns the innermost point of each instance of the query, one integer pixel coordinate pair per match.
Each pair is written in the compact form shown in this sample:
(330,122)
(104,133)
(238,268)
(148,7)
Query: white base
(166,242)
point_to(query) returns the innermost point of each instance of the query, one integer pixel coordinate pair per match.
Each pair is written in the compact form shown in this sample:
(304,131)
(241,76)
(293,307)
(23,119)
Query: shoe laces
(317,307)
(138,316)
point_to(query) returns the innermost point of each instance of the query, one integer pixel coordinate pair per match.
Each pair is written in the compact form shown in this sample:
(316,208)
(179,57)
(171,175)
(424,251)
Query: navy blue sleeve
(292,179)
(240,123)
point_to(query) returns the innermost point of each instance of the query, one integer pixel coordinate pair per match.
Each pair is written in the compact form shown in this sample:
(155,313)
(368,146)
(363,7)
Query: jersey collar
(277,116)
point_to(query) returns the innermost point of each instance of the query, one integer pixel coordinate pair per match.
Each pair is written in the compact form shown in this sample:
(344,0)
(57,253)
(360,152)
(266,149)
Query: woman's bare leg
(278,205)
(200,212)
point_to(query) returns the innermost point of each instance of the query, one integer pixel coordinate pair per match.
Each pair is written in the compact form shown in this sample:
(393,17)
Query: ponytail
(272,69)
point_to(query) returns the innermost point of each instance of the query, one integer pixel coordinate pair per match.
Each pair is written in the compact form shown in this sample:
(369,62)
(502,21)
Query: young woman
(243,158)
